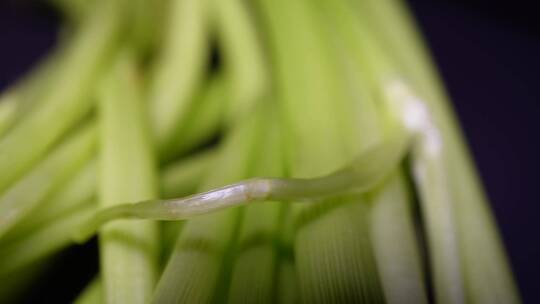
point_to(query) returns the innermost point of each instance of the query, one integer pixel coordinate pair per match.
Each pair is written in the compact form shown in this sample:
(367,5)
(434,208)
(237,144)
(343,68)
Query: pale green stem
(488,277)
(243,56)
(204,119)
(253,273)
(80,188)
(361,175)
(67,102)
(179,67)
(395,244)
(45,178)
(311,81)
(43,236)
(128,250)
(193,271)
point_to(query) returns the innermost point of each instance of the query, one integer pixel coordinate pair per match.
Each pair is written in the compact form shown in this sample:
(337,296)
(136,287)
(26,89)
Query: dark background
(488,54)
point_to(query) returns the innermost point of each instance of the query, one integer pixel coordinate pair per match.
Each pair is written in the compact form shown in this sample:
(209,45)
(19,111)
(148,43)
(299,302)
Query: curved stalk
(361,175)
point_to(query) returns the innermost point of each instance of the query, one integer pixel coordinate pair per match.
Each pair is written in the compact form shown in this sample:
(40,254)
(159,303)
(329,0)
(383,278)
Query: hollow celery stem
(363,173)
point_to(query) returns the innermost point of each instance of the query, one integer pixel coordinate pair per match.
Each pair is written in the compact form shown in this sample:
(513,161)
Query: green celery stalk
(128,250)
(243,58)
(333,254)
(71,196)
(204,119)
(56,169)
(179,67)
(394,247)
(65,103)
(253,274)
(193,271)
(18,100)
(182,178)
(488,277)
(49,228)
(395,244)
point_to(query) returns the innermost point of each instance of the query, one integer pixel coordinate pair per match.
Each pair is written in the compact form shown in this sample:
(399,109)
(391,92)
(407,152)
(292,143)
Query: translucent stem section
(362,174)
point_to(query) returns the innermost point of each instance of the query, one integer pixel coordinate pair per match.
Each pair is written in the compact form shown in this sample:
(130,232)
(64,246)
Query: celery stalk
(243,58)
(193,271)
(56,169)
(205,117)
(67,102)
(129,250)
(488,277)
(253,275)
(48,229)
(179,68)
(343,269)
(73,194)
(395,244)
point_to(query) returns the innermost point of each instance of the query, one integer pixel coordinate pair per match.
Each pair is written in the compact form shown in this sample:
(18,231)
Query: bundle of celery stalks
(235,151)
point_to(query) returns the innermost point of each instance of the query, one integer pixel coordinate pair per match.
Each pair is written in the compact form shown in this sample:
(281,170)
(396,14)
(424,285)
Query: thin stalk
(253,274)
(204,119)
(50,227)
(395,244)
(179,67)
(66,103)
(364,172)
(342,269)
(56,169)
(484,263)
(371,66)
(182,178)
(243,57)
(18,99)
(193,271)
(77,192)
(128,250)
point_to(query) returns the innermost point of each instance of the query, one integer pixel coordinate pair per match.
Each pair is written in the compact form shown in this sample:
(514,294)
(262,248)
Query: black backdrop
(488,54)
